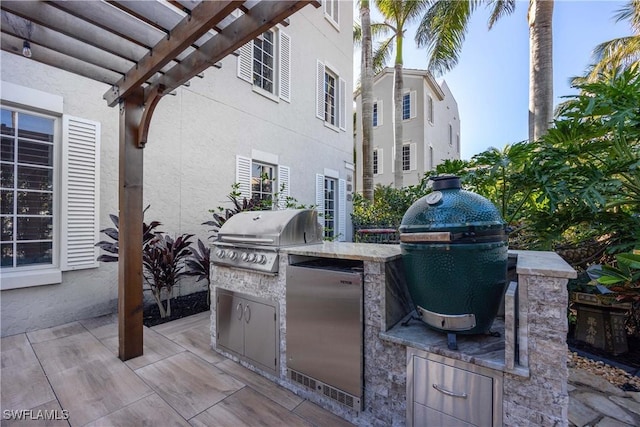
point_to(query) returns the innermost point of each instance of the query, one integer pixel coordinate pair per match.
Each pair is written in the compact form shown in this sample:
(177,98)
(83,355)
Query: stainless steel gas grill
(251,240)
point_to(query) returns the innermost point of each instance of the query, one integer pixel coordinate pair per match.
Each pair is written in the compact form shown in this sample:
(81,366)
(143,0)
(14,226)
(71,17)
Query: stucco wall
(189,164)
(415,130)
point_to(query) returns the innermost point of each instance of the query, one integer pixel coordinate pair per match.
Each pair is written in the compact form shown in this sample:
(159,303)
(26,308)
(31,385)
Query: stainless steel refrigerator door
(324,326)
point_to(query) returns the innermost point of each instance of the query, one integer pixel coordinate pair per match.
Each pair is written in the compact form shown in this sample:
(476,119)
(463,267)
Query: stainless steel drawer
(459,393)
(427,417)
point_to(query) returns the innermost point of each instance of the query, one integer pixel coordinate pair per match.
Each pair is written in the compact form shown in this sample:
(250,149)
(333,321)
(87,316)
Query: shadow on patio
(74,369)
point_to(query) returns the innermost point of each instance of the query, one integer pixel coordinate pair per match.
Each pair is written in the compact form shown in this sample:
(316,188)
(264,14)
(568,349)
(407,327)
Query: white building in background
(278,116)
(431,127)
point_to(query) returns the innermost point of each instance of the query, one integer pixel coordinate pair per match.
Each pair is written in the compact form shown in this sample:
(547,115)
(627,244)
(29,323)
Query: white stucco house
(431,127)
(276,116)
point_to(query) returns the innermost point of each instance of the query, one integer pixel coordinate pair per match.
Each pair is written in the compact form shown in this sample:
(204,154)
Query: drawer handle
(247,313)
(449,393)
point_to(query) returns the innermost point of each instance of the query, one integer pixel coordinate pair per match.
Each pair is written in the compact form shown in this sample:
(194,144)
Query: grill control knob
(261,259)
(220,253)
(251,258)
(232,255)
(244,256)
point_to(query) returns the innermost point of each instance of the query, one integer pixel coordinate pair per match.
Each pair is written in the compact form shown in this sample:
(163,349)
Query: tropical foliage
(621,53)
(578,186)
(443,29)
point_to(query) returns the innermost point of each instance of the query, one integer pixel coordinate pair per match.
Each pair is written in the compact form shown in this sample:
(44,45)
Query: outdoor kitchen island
(525,366)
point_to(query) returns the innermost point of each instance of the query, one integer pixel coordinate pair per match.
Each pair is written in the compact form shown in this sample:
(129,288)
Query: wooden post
(130,229)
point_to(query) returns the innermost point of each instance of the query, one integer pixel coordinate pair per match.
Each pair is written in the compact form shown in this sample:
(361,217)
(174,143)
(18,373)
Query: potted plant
(602,314)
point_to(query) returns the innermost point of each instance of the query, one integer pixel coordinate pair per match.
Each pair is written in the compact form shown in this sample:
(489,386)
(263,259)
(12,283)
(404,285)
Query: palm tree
(443,29)
(397,15)
(619,54)
(366,79)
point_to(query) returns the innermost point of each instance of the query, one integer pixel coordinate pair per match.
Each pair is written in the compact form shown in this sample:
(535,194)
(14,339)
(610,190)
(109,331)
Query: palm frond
(442,32)
(501,8)
(382,54)
(357,34)
(631,12)
(614,56)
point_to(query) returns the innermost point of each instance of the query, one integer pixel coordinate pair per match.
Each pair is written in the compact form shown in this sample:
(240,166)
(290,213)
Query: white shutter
(342,104)
(80,193)
(285,67)
(245,62)
(243,176)
(412,104)
(342,210)
(393,157)
(320,91)
(283,186)
(380,115)
(380,161)
(320,198)
(413,157)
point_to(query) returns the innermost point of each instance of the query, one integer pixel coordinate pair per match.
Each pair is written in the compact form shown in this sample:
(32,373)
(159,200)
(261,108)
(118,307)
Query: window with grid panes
(430,109)
(375,161)
(331,11)
(375,114)
(263,61)
(330,197)
(330,98)
(262,181)
(406,106)
(406,157)
(27,174)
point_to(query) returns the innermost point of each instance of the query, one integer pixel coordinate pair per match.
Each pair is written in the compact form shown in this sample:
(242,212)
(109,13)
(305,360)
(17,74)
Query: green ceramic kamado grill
(454,247)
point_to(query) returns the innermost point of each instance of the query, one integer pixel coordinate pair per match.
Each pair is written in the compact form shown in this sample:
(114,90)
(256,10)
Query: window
(409,105)
(406,106)
(263,61)
(330,98)
(329,207)
(331,91)
(27,189)
(375,162)
(377,113)
(409,159)
(458,143)
(450,134)
(331,11)
(262,180)
(49,185)
(406,157)
(331,204)
(266,63)
(430,109)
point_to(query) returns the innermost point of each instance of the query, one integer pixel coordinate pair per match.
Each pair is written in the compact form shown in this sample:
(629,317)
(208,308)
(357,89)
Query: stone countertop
(482,350)
(347,250)
(539,263)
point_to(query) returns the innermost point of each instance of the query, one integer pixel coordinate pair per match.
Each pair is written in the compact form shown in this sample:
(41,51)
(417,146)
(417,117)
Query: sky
(491,81)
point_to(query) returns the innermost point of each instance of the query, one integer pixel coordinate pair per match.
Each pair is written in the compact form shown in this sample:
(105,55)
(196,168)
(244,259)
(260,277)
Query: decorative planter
(601,323)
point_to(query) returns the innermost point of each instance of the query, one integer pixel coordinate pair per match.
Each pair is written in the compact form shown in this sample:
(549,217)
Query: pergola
(143,49)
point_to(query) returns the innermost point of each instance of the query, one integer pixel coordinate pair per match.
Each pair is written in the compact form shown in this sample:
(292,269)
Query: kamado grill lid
(450,214)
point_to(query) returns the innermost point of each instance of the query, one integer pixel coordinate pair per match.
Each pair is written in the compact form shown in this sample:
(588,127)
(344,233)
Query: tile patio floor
(179,381)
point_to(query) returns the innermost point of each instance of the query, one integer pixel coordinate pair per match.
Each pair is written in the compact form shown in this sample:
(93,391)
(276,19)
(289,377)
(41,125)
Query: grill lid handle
(436,236)
(245,239)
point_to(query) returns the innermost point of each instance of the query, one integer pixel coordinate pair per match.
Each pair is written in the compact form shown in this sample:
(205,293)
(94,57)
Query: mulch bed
(181,306)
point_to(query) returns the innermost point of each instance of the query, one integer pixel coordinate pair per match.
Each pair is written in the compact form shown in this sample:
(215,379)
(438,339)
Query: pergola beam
(191,28)
(256,21)
(56,59)
(74,27)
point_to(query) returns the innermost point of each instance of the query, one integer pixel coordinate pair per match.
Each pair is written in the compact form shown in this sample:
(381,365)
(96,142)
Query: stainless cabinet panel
(259,333)
(229,321)
(427,417)
(465,395)
(324,326)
